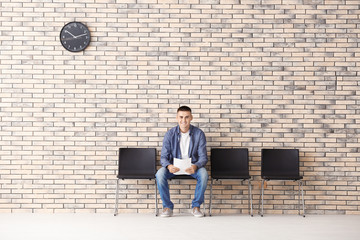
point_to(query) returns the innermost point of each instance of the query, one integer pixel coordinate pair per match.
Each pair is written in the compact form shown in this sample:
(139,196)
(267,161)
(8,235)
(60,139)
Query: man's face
(184,118)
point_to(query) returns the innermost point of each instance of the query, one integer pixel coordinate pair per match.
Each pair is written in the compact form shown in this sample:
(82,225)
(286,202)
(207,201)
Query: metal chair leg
(250,199)
(211,183)
(156,200)
(299,196)
(204,209)
(249,196)
(117,197)
(262,198)
(303,200)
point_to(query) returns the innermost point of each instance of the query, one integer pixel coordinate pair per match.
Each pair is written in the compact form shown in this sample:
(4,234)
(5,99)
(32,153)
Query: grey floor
(147,226)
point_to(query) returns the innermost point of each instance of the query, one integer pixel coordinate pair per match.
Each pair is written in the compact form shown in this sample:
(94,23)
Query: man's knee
(161,174)
(202,174)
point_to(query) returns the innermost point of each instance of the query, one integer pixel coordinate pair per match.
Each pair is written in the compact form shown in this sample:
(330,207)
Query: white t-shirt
(185,144)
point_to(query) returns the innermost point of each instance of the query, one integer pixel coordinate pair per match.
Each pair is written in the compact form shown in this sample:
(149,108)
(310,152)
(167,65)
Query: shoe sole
(165,216)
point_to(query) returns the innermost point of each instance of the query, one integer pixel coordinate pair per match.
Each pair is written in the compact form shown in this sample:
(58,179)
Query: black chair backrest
(137,163)
(230,163)
(280,163)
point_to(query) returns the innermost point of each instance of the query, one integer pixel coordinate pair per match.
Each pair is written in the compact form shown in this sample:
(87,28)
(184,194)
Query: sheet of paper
(183,164)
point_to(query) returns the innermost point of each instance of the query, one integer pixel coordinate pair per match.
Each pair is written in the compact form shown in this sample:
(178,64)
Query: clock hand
(70,33)
(80,35)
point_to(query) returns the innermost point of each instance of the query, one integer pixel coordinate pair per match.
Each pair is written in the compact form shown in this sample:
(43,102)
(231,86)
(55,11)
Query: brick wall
(257,74)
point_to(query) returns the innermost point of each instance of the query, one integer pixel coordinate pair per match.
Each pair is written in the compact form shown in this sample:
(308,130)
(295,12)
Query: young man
(183,141)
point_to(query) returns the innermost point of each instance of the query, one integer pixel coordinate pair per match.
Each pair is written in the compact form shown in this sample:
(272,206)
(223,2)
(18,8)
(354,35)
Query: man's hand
(191,170)
(172,168)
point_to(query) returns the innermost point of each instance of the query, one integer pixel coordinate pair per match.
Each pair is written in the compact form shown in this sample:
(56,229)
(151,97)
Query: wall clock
(75,36)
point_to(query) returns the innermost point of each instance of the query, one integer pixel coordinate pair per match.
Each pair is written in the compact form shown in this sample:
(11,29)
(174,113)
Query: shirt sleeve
(166,151)
(203,159)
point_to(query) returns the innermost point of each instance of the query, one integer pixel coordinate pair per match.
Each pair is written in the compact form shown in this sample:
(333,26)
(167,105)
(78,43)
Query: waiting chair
(230,164)
(280,164)
(136,163)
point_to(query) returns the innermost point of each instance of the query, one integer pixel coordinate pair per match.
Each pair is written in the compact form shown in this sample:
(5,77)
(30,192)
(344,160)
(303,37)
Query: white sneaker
(196,212)
(167,212)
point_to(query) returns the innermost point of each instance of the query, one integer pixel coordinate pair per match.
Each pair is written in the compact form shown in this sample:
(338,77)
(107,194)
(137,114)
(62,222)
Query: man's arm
(202,155)
(165,155)
(165,151)
(203,159)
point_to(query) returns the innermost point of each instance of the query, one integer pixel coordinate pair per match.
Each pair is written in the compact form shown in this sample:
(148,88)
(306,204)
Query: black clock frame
(73,41)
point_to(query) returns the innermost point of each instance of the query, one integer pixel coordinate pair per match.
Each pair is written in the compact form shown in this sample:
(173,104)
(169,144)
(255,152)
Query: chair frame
(117,197)
(135,177)
(300,185)
(250,203)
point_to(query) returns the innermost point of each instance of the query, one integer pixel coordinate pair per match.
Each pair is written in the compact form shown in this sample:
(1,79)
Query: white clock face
(75,36)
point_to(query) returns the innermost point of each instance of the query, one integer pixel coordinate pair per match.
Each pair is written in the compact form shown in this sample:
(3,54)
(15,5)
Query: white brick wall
(257,73)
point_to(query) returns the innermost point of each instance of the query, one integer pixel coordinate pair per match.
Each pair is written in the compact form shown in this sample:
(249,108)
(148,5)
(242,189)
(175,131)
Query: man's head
(184,118)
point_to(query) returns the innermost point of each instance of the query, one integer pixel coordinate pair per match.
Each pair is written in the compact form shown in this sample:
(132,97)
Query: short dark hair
(184,109)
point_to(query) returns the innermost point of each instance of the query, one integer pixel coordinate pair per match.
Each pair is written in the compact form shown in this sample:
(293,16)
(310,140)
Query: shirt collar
(178,129)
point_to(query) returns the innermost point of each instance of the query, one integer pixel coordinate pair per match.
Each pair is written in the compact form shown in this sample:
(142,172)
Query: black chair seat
(136,176)
(183,177)
(295,178)
(230,176)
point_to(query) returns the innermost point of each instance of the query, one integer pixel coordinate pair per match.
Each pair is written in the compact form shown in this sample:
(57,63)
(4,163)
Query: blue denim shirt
(197,148)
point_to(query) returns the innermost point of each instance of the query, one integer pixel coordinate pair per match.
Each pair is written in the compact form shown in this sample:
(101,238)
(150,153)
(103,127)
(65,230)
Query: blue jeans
(163,175)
